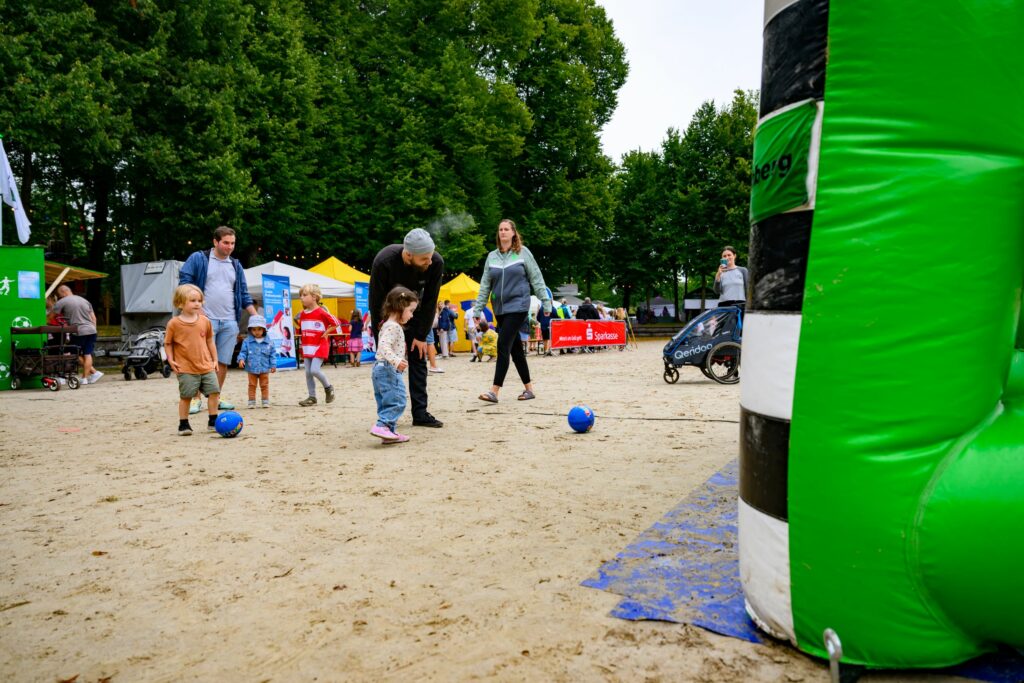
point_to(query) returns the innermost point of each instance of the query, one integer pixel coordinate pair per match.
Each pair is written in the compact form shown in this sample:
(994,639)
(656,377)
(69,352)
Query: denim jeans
(389,391)
(225,336)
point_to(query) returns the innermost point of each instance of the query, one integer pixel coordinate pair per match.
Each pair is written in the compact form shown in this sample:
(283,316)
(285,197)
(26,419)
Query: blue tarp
(685,569)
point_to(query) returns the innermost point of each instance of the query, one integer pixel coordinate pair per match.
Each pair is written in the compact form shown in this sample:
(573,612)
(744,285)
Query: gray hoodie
(508,278)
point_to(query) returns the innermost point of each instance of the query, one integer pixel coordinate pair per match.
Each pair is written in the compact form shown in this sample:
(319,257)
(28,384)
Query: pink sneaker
(399,438)
(383,433)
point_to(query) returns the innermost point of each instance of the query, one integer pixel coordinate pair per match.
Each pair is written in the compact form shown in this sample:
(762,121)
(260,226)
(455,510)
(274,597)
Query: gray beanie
(418,241)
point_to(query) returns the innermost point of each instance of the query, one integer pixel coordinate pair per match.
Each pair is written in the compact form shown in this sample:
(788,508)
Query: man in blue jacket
(225,296)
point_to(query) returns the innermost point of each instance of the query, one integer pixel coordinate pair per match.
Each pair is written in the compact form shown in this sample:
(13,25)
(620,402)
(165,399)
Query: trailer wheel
(73,382)
(53,384)
(15,382)
(723,363)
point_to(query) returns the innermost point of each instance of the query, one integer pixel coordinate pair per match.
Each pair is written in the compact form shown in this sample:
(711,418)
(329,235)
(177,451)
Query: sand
(303,550)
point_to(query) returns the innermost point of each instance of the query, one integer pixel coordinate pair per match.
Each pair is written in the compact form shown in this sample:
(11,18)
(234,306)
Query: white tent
(297,277)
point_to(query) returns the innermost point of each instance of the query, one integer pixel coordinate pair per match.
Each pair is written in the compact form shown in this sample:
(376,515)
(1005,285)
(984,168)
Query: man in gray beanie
(413,264)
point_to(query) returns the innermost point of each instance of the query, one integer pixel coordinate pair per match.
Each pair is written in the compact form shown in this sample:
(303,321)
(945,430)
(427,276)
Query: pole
(1,212)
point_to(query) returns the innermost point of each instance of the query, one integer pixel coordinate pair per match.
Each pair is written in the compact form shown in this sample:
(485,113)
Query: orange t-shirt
(189,345)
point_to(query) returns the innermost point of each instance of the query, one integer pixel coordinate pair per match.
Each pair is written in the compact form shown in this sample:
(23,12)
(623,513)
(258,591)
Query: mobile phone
(725,262)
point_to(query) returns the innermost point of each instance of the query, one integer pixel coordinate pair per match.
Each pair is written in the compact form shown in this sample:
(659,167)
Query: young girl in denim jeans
(388,386)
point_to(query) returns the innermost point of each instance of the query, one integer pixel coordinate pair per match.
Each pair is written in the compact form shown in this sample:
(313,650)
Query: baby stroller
(145,355)
(711,342)
(53,363)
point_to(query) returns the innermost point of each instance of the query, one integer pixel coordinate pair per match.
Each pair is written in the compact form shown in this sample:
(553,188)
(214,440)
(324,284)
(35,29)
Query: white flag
(9,192)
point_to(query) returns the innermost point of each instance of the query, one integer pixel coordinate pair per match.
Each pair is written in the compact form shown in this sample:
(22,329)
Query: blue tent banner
(277,308)
(363,304)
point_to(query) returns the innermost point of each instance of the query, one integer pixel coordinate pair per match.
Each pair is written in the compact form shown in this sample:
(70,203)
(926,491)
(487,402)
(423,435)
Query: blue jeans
(389,391)
(225,336)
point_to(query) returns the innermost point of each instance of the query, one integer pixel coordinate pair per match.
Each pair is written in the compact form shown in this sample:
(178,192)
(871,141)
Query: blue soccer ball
(229,424)
(581,419)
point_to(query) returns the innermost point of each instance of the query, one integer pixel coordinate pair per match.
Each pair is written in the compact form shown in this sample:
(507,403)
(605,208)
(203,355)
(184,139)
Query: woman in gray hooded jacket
(509,274)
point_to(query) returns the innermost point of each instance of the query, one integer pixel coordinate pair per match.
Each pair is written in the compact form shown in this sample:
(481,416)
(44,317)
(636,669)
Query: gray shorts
(190,385)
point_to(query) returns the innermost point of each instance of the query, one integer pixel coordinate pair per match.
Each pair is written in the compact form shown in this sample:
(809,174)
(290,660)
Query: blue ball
(581,419)
(229,424)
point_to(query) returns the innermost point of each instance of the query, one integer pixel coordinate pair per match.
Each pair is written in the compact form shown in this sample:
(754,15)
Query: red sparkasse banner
(566,334)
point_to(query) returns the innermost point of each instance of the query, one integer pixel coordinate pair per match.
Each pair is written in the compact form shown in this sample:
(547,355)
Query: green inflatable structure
(882,430)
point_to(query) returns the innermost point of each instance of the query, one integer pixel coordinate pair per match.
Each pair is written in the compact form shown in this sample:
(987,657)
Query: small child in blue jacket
(259,359)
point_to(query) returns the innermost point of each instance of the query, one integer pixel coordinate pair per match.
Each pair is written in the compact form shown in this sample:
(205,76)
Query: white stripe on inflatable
(782,110)
(814,155)
(764,571)
(769,363)
(773,7)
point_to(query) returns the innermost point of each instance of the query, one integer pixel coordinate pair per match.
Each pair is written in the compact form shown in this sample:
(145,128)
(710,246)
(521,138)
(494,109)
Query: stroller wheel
(127,374)
(140,373)
(15,382)
(671,374)
(51,383)
(723,363)
(73,382)
(166,370)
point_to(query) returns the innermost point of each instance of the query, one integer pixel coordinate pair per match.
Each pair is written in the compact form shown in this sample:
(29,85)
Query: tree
(707,185)
(637,245)
(568,81)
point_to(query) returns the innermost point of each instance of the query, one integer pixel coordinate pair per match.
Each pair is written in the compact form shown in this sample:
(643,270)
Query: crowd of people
(413,332)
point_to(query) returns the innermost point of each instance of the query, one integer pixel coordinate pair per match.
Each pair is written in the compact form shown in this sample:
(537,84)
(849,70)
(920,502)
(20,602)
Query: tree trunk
(703,282)
(28,173)
(100,228)
(626,291)
(686,285)
(675,289)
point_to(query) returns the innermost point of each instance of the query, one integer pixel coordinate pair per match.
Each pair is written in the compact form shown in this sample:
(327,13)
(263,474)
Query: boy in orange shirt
(192,354)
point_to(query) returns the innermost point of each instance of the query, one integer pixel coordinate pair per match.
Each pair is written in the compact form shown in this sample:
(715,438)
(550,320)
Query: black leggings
(508,343)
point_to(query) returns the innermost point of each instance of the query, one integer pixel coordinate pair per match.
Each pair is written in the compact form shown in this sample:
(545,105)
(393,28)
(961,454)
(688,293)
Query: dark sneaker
(184,430)
(426,420)
(308,401)
(330,394)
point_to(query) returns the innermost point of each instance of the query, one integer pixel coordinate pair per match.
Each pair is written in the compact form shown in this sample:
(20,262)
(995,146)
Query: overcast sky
(680,53)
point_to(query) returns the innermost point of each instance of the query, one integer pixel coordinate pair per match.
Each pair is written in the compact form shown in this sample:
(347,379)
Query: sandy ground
(304,550)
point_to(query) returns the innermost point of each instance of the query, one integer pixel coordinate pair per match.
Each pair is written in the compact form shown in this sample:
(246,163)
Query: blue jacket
(259,356)
(446,319)
(194,273)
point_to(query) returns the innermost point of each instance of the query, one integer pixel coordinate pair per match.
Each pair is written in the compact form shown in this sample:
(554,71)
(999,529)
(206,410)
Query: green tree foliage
(315,127)
(319,127)
(707,184)
(568,81)
(636,247)
(676,210)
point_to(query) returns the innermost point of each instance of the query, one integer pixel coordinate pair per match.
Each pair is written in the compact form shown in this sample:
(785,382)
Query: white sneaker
(83,381)
(95,377)
(435,370)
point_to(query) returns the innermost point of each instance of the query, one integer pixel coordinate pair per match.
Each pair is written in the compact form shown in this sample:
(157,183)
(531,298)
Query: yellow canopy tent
(339,270)
(462,291)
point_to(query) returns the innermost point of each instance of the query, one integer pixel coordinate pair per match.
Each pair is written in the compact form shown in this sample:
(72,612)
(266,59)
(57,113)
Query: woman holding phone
(731,280)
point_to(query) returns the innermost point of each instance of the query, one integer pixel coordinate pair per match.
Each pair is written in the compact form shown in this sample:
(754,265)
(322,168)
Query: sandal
(526,395)
(488,396)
